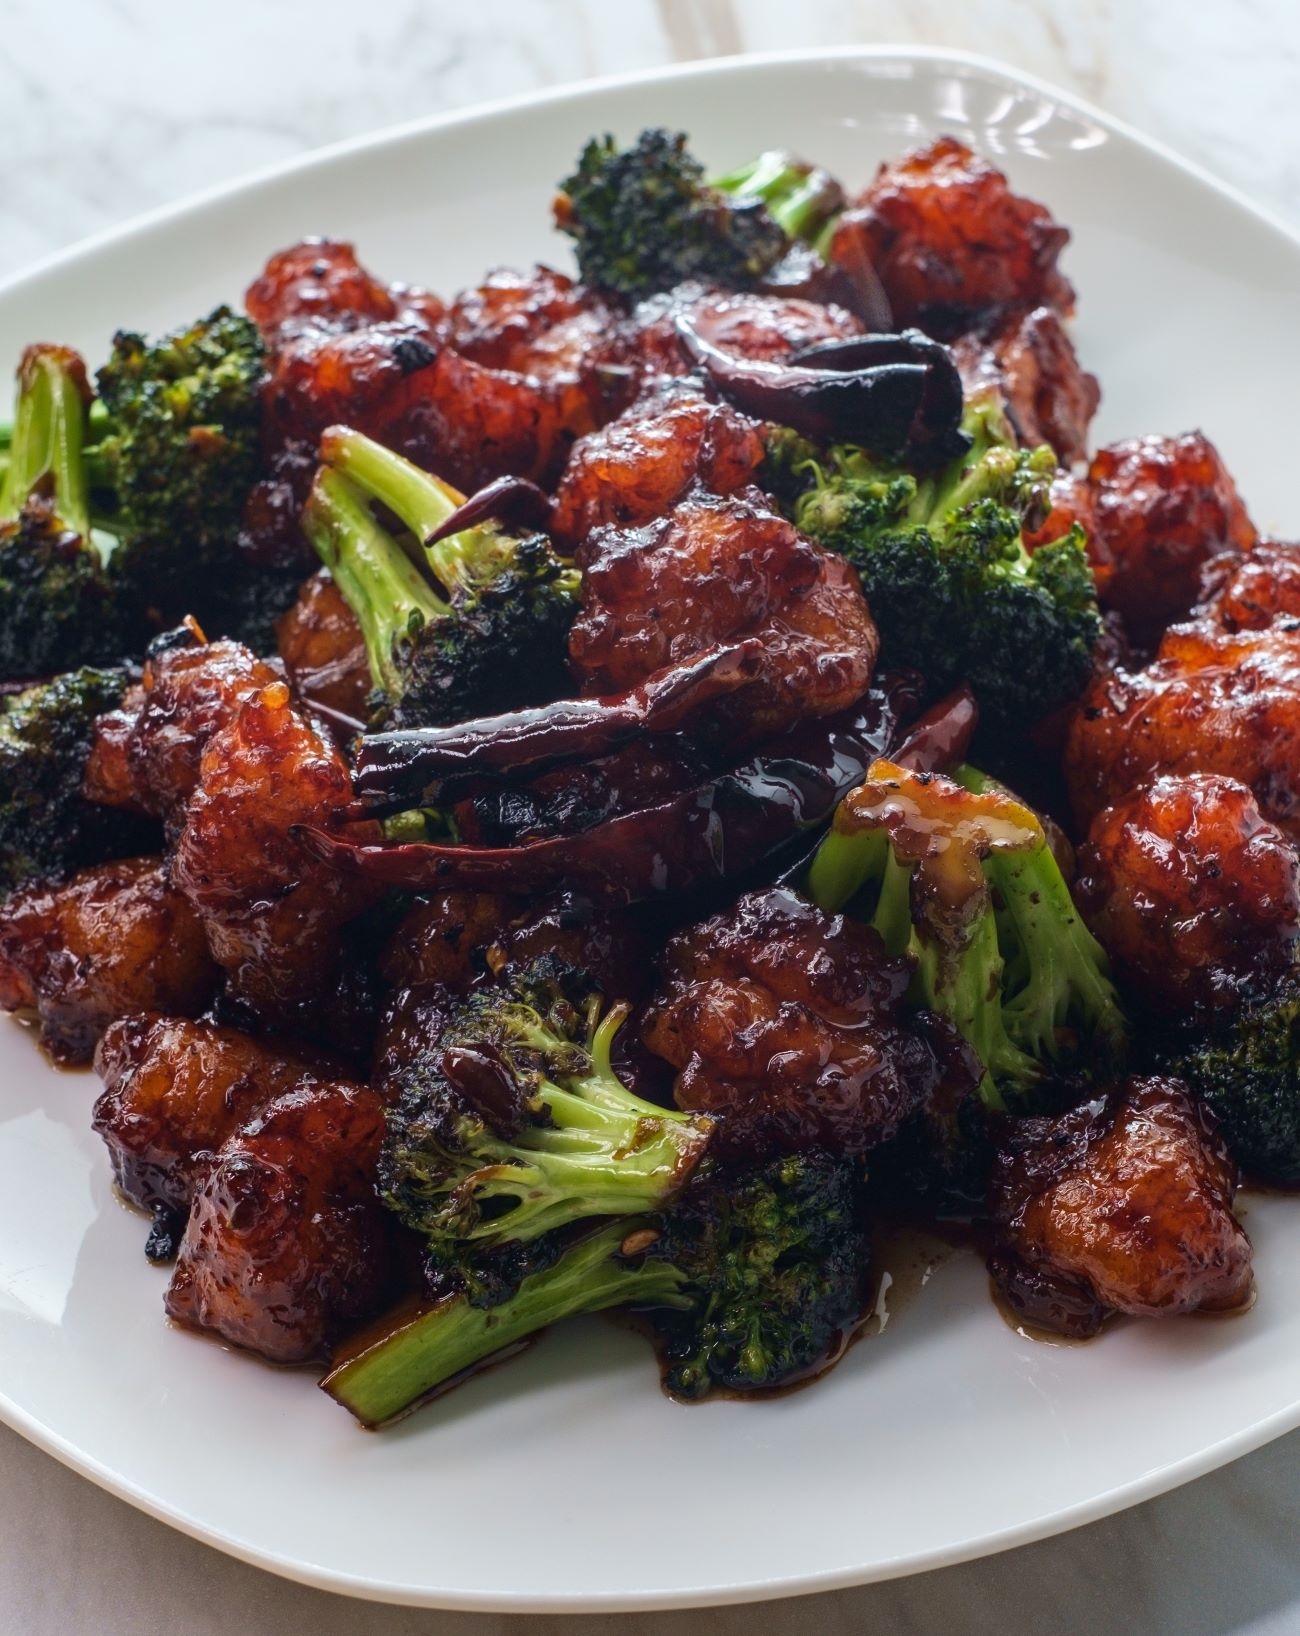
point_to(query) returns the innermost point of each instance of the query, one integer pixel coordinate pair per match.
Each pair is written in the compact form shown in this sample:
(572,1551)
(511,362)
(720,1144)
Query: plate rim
(1160,1479)
(254,180)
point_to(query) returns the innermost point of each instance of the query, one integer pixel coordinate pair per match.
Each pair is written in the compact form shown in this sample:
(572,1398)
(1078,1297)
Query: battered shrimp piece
(451,939)
(287,1246)
(1122,1205)
(320,281)
(347,349)
(543,325)
(272,914)
(789,1024)
(1027,357)
(660,594)
(114,940)
(173,1092)
(747,324)
(1211,702)
(949,239)
(716,569)
(323,651)
(1248,592)
(640,465)
(1161,508)
(146,755)
(1193,893)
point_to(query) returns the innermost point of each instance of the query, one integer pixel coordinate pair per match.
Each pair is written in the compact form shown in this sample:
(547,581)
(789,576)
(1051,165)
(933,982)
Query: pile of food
(598,793)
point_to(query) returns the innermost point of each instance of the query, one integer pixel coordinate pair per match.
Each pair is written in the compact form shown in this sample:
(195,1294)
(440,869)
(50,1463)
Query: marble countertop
(119,106)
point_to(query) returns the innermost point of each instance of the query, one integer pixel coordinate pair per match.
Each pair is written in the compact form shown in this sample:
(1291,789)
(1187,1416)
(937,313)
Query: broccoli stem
(420,1353)
(844,865)
(802,199)
(390,597)
(1059,971)
(46,447)
(423,503)
(958,980)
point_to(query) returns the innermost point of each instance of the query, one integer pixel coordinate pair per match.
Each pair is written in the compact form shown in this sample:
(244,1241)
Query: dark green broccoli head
(46,827)
(58,604)
(515,1123)
(500,645)
(644,219)
(773,1264)
(176,453)
(952,588)
(244,602)
(460,627)
(1248,1071)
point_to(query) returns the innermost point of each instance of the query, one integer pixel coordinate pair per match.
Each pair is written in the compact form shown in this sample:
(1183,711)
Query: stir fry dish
(599,793)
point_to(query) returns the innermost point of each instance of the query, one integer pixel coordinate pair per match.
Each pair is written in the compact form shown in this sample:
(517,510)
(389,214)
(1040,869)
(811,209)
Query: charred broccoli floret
(754,1277)
(174,455)
(517,1124)
(463,627)
(944,567)
(1248,1070)
(959,875)
(46,826)
(644,218)
(58,604)
(772,1262)
(119,513)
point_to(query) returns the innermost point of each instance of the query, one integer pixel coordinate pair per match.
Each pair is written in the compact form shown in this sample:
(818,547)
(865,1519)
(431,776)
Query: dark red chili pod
(937,428)
(939,739)
(719,830)
(400,766)
(513,501)
(874,407)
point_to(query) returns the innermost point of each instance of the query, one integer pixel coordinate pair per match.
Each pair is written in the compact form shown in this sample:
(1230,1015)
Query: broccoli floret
(772,1261)
(644,218)
(58,604)
(175,452)
(119,514)
(1248,1070)
(472,624)
(944,567)
(959,876)
(518,1124)
(46,826)
(754,1277)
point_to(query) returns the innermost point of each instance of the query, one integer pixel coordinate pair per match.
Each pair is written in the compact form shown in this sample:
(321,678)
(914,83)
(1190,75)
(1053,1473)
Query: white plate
(565,1480)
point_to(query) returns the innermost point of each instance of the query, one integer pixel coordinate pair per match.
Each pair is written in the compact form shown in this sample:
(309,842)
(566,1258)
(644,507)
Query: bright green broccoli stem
(802,199)
(846,864)
(48,438)
(1057,975)
(959,977)
(432,1348)
(392,600)
(964,985)
(463,562)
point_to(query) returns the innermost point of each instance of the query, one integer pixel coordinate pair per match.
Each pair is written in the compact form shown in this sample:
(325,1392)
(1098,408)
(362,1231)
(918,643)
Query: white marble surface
(112,107)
